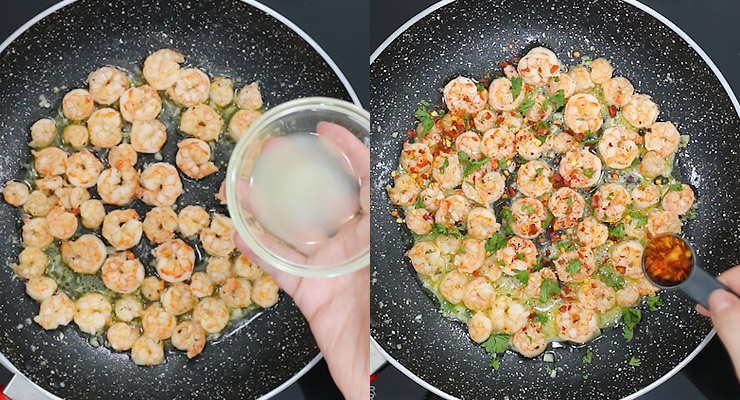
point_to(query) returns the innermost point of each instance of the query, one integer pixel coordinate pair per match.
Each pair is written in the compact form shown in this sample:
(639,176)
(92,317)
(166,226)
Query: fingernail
(719,300)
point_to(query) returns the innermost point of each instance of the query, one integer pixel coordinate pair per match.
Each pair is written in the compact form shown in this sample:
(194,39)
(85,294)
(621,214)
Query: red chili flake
(579,136)
(567,290)
(489,116)
(527,87)
(553,69)
(410,133)
(500,120)
(504,64)
(476,273)
(532,314)
(563,308)
(516,59)
(557,180)
(612,111)
(428,217)
(511,191)
(595,201)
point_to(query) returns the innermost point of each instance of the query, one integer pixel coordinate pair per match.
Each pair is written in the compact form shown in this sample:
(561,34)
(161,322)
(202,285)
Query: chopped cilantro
(480,87)
(528,208)
(539,170)
(634,361)
(544,125)
(570,200)
(630,318)
(463,155)
(520,256)
(592,140)
(676,187)
(547,220)
(548,288)
(516,86)
(473,165)
(617,231)
(502,163)
(588,357)
(497,343)
(526,105)
(494,362)
(426,119)
(641,220)
(461,250)
(610,278)
(566,244)
(444,166)
(425,103)
(574,266)
(541,318)
(495,242)
(691,214)
(419,203)
(588,172)
(653,302)
(557,100)
(522,276)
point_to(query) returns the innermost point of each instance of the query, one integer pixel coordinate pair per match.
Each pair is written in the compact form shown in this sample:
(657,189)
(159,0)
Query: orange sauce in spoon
(668,260)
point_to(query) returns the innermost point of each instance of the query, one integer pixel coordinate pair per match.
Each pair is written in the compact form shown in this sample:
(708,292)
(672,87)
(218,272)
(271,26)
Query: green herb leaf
(494,362)
(641,220)
(516,86)
(425,103)
(691,214)
(566,244)
(617,231)
(557,100)
(463,155)
(461,250)
(502,163)
(480,87)
(630,318)
(548,219)
(591,141)
(544,125)
(528,208)
(497,343)
(548,287)
(588,172)
(634,361)
(444,166)
(473,165)
(574,266)
(653,302)
(676,187)
(495,242)
(539,170)
(526,105)
(419,203)
(610,278)
(542,318)
(426,119)
(588,357)
(522,276)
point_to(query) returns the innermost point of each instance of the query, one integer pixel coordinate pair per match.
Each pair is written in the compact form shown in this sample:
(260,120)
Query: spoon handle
(700,284)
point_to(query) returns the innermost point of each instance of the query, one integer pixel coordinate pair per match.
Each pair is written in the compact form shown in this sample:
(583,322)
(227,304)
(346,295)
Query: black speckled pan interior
(222,37)
(471,37)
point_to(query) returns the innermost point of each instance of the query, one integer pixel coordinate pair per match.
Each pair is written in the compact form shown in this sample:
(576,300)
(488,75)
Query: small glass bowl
(296,116)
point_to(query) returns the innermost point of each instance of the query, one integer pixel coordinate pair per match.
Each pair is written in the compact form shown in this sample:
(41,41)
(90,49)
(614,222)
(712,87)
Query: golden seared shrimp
(678,201)
(122,154)
(661,222)
(432,196)
(596,295)
(217,239)
(499,143)
(485,119)
(201,285)
(105,128)
(235,292)
(539,110)
(575,265)
(419,220)
(192,219)
(483,186)
(61,223)
(50,161)
(479,327)
(118,186)
(178,299)
(83,169)
(629,295)
(32,263)
(123,273)
(85,255)
(190,337)
(640,111)
(41,288)
(219,269)
(77,104)
(511,121)
(529,341)
(174,260)
(50,183)
(447,170)
(38,204)
(240,122)
(211,314)
(122,228)
(592,233)
(140,104)
(147,351)
(160,185)
(447,244)
(611,202)
(57,310)
(635,228)
(580,169)
(194,158)
(416,158)
(249,97)
(508,315)
(107,84)
(471,255)
(618,147)
(92,313)
(158,323)
(562,82)
(221,93)
(452,286)
(122,336)
(534,284)
(202,122)
(560,142)
(461,95)
(538,66)
(490,270)
(529,213)
(479,294)
(148,136)
(662,138)
(529,146)
(582,78)
(191,87)
(645,196)
(245,268)
(425,257)
(160,224)
(601,71)
(518,255)
(576,323)
(500,96)
(618,91)
(16,193)
(627,258)
(432,138)
(652,165)
(583,113)
(71,198)
(35,233)
(42,133)
(128,308)
(567,206)
(481,223)
(76,136)
(533,178)
(152,288)
(162,68)
(92,213)
(452,210)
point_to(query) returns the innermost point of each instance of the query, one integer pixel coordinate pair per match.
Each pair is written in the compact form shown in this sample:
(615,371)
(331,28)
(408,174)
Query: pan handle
(20,388)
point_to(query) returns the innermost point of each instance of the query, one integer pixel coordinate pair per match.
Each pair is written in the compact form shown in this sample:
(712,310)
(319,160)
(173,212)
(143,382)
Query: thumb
(725,312)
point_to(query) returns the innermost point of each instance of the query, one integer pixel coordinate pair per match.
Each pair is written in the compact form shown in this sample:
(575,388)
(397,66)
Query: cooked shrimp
(249,97)
(499,143)
(580,169)
(479,294)
(618,147)
(481,223)
(635,228)
(191,88)
(194,158)
(645,287)
(77,104)
(679,202)
(241,121)
(404,190)
(85,255)
(447,170)
(151,288)
(118,186)
(416,158)
(61,223)
(628,296)
(162,68)
(174,260)
(122,154)
(50,161)
(217,239)
(533,178)
(140,104)
(529,146)
(122,228)
(202,122)
(596,295)
(538,66)
(92,313)
(618,91)
(485,119)
(433,137)
(452,210)
(661,222)
(105,128)
(32,263)
(611,202)
(432,196)
(419,220)
(235,292)
(38,204)
(560,142)
(582,77)
(534,284)
(83,169)
(160,224)
(645,196)
(471,255)
(641,112)
(107,84)
(529,213)
(452,286)
(580,260)
(592,233)
(190,337)
(191,220)
(158,323)
(178,299)
(652,165)
(562,82)
(461,95)
(518,255)
(447,244)
(122,336)
(211,314)
(35,233)
(500,96)
(483,186)
(16,193)
(147,351)
(148,136)
(160,185)
(567,206)
(540,110)
(662,138)
(71,198)
(127,308)
(627,258)
(123,273)
(479,327)
(50,183)
(245,268)
(201,285)
(425,258)
(221,92)
(601,70)
(508,315)
(92,213)
(55,311)
(530,341)
(41,288)
(576,323)
(42,133)
(583,113)
(76,136)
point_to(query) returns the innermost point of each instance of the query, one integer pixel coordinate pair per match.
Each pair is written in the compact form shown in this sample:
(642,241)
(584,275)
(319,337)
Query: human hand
(337,309)
(724,310)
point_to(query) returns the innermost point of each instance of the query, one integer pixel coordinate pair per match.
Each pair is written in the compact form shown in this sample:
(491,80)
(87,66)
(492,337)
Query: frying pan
(242,40)
(471,38)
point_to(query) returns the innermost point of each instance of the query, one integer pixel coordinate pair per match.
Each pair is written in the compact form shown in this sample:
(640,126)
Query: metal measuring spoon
(669,262)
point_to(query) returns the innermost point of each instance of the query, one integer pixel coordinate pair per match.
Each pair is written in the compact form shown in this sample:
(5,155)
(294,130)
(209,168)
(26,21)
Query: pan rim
(665,21)
(287,22)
